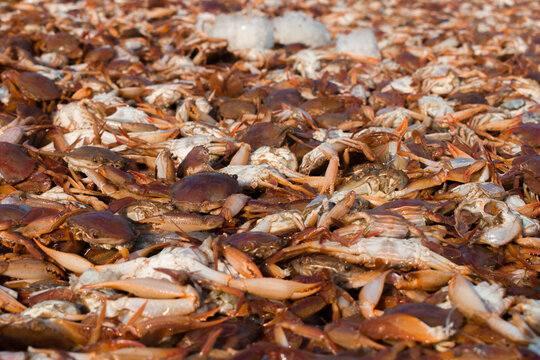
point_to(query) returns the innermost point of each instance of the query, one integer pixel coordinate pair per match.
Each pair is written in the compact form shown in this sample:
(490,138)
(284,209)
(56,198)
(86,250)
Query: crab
(216,147)
(192,260)
(376,181)
(101,228)
(204,191)
(437,79)
(30,85)
(393,117)
(91,157)
(497,223)
(79,115)
(281,159)
(370,251)
(15,164)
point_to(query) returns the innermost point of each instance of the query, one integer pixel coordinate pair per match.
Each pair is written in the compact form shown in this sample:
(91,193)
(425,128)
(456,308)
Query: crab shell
(101,228)
(204,191)
(15,165)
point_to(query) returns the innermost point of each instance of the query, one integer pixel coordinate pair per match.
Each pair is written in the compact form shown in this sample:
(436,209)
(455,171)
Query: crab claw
(341,208)
(9,303)
(72,262)
(277,289)
(241,262)
(149,288)
(370,295)
(463,296)
(165,166)
(348,336)
(233,205)
(402,326)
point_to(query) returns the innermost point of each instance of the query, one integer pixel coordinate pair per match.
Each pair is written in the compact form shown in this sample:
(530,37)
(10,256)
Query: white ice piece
(244,31)
(358,42)
(298,27)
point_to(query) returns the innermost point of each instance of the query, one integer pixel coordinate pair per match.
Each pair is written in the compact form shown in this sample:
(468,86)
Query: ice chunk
(358,42)
(244,31)
(298,27)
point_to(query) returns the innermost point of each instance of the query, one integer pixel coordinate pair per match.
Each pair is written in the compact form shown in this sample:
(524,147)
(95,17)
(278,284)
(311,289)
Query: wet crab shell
(257,244)
(11,215)
(101,228)
(15,165)
(37,87)
(204,191)
(20,332)
(93,155)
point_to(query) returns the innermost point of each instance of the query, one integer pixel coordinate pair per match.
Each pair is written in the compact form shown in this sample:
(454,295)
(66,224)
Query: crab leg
(242,155)
(277,289)
(330,176)
(428,280)
(341,208)
(348,336)
(423,183)
(241,262)
(498,125)
(104,186)
(457,117)
(403,326)
(30,269)
(281,180)
(161,326)
(357,144)
(306,331)
(47,224)
(280,223)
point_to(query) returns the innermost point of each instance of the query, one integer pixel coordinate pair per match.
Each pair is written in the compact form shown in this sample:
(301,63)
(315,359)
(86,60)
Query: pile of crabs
(163,195)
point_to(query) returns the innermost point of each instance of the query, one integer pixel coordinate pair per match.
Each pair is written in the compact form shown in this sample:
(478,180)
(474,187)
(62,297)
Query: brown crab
(204,192)
(30,85)
(15,165)
(100,228)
